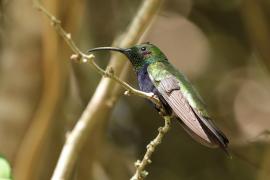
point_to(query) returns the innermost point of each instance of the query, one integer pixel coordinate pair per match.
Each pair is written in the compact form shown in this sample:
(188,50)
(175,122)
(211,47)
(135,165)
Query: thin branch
(141,173)
(85,58)
(56,23)
(129,89)
(87,121)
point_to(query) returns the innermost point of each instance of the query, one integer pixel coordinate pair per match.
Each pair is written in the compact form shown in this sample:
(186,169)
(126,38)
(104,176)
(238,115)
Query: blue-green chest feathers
(146,85)
(144,81)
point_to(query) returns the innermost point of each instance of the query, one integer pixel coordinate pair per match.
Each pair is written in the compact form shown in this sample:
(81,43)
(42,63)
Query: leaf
(5,169)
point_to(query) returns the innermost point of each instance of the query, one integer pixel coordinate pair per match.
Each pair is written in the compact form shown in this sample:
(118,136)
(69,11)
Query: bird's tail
(215,134)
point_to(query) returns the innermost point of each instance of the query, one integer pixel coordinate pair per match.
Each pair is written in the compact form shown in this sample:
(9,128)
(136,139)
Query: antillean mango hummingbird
(157,75)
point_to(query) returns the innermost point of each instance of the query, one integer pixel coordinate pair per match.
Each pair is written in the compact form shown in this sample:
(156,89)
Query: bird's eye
(143,48)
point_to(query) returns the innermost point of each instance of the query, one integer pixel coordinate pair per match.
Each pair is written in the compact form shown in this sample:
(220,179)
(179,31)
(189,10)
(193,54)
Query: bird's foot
(162,111)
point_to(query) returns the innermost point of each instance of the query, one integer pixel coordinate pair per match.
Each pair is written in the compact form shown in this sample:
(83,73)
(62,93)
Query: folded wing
(171,92)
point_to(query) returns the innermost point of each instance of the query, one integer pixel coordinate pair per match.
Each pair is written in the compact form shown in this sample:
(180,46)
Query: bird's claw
(154,98)
(161,111)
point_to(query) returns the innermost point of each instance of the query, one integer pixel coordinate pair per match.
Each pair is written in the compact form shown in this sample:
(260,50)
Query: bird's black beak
(125,51)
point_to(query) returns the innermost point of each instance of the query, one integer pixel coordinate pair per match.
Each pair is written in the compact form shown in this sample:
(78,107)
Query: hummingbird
(178,97)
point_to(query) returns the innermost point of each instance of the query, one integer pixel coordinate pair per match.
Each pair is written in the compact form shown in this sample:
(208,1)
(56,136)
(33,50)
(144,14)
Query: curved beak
(121,50)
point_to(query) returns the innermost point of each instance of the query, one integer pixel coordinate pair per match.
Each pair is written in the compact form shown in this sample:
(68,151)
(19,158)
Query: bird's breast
(144,81)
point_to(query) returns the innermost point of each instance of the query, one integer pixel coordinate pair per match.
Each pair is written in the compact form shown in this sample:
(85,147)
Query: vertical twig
(141,173)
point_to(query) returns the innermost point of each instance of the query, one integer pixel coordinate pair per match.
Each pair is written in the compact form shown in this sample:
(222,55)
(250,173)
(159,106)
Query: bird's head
(139,55)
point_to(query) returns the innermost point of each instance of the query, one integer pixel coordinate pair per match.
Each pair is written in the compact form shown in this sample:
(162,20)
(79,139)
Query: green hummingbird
(177,95)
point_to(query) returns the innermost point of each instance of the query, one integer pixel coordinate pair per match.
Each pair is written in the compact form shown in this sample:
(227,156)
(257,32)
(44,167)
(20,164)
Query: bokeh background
(222,46)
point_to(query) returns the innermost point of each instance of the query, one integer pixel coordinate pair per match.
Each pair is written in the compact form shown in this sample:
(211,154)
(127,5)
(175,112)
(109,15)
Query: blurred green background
(222,46)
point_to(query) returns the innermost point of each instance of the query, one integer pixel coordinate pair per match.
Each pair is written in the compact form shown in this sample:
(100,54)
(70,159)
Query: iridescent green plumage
(156,74)
(163,69)
(160,68)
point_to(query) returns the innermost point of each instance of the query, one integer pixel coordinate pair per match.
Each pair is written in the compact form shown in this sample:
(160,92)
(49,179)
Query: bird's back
(165,69)
(202,129)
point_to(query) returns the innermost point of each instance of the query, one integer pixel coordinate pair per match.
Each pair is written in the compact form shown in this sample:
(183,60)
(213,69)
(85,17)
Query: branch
(141,173)
(81,57)
(88,120)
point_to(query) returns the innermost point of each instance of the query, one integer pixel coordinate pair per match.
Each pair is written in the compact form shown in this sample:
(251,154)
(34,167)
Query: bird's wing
(171,92)
(216,134)
(197,126)
(169,88)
